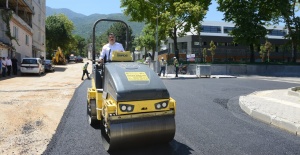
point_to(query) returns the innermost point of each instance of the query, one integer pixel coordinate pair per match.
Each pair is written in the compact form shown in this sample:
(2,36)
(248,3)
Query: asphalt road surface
(208,121)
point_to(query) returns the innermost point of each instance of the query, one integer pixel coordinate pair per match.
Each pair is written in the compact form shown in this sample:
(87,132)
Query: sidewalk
(280,108)
(187,76)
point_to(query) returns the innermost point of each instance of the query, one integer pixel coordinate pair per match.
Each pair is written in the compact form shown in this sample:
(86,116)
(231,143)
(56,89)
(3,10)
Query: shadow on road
(173,148)
(60,69)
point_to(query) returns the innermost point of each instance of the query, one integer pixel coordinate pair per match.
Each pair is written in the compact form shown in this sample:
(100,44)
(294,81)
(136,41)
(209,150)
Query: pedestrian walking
(163,64)
(85,71)
(14,61)
(176,65)
(8,66)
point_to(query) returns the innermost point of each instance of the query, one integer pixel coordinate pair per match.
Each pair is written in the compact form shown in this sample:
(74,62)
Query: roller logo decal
(136,76)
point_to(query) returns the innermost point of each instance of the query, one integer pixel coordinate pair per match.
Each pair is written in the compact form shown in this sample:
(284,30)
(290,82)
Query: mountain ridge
(84,24)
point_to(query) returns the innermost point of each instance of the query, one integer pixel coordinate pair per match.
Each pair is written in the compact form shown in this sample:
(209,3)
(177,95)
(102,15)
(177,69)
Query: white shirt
(8,62)
(3,63)
(108,49)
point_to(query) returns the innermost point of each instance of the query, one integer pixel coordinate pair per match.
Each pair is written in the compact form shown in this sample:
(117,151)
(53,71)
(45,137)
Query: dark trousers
(3,71)
(163,70)
(176,70)
(15,69)
(85,72)
(8,70)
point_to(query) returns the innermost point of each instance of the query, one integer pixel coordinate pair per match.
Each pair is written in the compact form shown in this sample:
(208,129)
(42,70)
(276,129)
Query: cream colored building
(27,26)
(38,26)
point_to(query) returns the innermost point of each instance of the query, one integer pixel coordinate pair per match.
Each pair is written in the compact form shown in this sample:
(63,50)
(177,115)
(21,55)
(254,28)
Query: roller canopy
(129,81)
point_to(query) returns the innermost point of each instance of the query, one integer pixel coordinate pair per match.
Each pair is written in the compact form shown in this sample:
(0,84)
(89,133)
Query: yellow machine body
(130,104)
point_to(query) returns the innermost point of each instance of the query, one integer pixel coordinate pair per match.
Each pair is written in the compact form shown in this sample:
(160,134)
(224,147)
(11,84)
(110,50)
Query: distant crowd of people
(8,66)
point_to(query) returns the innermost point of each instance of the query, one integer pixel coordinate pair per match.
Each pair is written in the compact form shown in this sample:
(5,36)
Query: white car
(32,65)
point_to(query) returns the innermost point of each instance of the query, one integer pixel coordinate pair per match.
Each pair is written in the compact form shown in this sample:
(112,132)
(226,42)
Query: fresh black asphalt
(208,121)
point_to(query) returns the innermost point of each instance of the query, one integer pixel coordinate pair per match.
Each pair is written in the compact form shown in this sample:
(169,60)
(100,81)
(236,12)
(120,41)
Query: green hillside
(84,24)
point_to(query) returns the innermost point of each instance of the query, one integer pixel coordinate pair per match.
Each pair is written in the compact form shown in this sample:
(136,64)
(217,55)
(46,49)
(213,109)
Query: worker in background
(14,61)
(111,46)
(163,64)
(85,71)
(176,65)
(8,66)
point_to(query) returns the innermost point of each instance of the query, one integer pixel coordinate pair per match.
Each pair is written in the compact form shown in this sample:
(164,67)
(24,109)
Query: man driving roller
(111,46)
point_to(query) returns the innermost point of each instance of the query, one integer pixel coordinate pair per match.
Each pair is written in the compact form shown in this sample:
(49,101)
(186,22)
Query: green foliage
(119,30)
(212,50)
(148,39)
(6,17)
(286,12)
(204,53)
(84,25)
(58,34)
(262,53)
(268,48)
(175,17)
(249,18)
(79,45)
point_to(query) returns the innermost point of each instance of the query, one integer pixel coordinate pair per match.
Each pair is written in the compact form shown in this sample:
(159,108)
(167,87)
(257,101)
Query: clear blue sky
(111,6)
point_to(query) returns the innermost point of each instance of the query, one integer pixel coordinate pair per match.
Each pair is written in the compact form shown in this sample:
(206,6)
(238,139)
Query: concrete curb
(172,76)
(269,119)
(292,91)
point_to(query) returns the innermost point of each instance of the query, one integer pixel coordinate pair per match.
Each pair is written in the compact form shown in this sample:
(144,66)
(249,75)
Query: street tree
(175,17)
(262,53)
(204,53)
(58,33)
(119,30)
(287,13)
(80,44)
(250,19)
(212,50)
(148,40)
(268,48)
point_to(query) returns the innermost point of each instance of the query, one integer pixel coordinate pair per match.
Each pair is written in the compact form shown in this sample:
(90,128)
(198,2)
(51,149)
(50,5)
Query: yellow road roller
(129,102)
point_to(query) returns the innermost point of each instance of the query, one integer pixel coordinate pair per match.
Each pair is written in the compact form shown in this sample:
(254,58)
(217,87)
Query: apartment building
(27,28)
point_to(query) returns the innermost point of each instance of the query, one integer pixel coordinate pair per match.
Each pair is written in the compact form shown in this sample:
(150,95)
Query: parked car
(32,65)
(79,59)
(72,58)
(49,65)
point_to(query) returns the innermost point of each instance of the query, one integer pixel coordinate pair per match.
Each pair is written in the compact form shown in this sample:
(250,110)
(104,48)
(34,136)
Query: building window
(211,29)
(27,39)
(221,44)
(276,32)
(228,29)
(15,32)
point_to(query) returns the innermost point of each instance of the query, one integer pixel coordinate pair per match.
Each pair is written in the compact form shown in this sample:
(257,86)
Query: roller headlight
(126,107)
(164,104)
(161,105)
